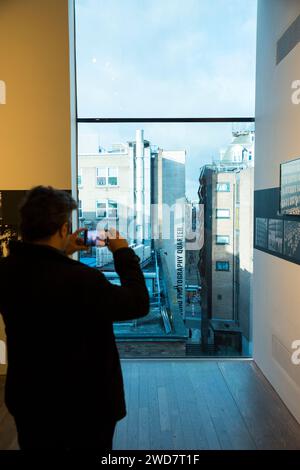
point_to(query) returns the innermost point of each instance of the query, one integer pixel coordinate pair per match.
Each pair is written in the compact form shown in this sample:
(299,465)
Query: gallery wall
(36,120)
(276,292)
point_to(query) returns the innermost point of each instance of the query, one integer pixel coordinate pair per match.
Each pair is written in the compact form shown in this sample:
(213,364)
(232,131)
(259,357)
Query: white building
(114,191)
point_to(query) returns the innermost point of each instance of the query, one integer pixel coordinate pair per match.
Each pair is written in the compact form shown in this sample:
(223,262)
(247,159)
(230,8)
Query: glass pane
(197,266)
(101,209)
(112,209)
(222,265)
(113,172)
(101,176)
(222,239)
(224,187)
(223,213)
(169,58)
(112,176)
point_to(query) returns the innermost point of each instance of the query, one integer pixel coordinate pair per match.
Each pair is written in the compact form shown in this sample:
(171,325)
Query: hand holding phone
(75,242)
(96,238)
(106,237)
(115,241)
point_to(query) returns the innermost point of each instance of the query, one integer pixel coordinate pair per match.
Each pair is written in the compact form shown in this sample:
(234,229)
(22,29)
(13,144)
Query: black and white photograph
(290,187)
(292,239)
(261,233)
(9,217)
(275,241)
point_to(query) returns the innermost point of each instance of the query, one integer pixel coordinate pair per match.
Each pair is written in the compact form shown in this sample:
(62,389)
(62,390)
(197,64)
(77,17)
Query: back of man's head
(43,211)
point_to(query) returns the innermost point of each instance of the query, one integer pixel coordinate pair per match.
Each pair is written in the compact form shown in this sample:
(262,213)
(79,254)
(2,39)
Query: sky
(167,58)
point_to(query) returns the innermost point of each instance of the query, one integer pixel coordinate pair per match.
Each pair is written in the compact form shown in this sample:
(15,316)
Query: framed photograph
(261,233)
(275,238)
(290,187)
(9,217)
(292,240)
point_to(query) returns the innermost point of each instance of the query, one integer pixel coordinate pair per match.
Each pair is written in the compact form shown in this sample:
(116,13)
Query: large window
(165,128)
(223,213)
(222,239)
(170,58)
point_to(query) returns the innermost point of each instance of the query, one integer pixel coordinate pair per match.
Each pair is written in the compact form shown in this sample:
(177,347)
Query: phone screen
(94,238)
(91,238)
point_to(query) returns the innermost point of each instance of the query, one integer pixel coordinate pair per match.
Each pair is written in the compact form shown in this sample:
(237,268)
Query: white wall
(37,122)
(276,290)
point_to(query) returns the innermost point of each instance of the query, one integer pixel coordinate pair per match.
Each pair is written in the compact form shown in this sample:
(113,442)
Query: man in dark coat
(64,382)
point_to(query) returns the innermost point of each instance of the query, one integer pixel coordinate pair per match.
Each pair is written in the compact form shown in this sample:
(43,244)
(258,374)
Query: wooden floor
(194,405)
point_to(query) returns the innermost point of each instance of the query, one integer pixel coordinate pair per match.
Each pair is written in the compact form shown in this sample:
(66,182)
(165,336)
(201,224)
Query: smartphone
(91,238)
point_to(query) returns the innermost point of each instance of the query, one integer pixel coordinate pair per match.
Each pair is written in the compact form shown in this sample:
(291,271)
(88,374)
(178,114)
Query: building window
(107,209)
(112,209)
(107,176)
(101,178)
(222,213)
(79,178)
(112,176)
(223,187)
(101,209)
(222,265)
(222,239)
(80,209)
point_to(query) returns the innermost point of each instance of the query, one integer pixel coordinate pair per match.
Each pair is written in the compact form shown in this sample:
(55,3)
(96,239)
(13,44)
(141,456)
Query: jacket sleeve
(131,299)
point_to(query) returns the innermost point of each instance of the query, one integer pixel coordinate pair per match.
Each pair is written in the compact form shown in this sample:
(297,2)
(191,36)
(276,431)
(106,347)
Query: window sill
(107,186)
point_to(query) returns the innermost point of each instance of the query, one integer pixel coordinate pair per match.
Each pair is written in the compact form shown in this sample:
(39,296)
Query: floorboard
(193,405)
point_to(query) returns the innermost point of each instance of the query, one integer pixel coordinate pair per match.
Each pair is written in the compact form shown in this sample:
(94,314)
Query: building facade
(114,191)
(226,259)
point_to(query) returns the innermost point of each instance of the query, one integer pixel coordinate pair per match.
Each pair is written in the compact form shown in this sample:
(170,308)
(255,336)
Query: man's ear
(63,230)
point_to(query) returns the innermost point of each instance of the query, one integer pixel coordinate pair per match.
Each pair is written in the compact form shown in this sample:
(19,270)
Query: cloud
(167,59)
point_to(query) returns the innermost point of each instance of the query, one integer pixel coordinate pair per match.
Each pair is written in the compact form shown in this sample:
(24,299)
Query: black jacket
(58,315)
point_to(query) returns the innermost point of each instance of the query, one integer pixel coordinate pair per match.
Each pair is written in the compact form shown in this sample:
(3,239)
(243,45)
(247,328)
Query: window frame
(108,120)
(117,177)
(101,176)
(222,270)
(101,201)
(222,217)
(105,170)
(111,201)
(107,209)
(222,243)
(223,190)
